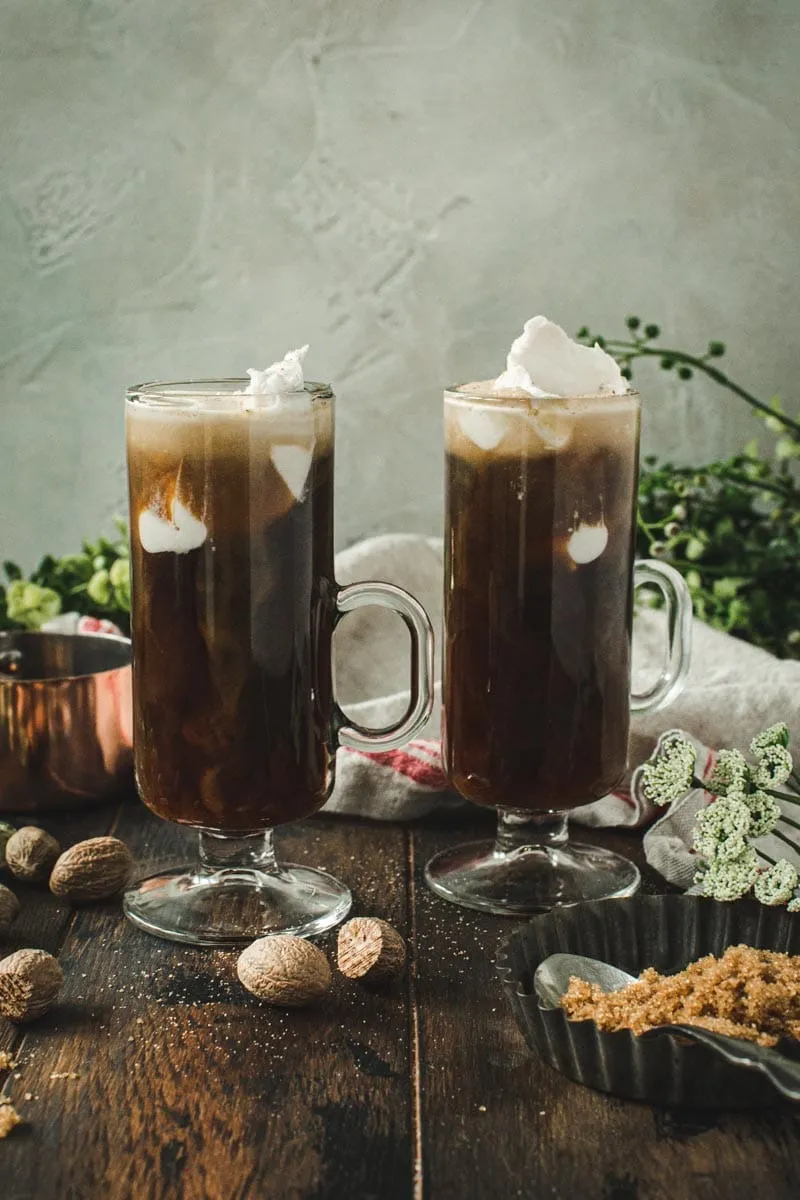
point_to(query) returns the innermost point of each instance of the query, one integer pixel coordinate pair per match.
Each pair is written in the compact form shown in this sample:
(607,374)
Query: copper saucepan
(65,719)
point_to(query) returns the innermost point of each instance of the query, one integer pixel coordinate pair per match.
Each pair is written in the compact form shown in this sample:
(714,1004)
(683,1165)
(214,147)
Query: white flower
(731,773)
(721,830)
(670,772)
(776,735)
(764,813)
(775,886)
(774,766)
(729,880)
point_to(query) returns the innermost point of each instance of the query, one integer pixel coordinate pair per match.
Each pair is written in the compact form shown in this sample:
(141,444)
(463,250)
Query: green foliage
(95,582)
(732,527)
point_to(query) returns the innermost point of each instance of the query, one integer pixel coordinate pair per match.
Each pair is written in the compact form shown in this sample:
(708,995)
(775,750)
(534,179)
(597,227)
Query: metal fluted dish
(665,932)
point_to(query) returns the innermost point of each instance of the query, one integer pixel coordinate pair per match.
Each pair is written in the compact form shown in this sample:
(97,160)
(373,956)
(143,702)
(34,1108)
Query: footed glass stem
(237,892)
(530,867)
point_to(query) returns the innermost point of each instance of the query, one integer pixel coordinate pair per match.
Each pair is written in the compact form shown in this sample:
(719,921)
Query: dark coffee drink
(233,607)
(540,522)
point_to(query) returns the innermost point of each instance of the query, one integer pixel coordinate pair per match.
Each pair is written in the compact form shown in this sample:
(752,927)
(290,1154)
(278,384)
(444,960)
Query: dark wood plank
(188,1088)
(44,920)
(499,1124)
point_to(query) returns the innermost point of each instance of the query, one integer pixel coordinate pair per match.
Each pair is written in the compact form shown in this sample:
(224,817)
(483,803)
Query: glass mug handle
(420,706)
(678,603)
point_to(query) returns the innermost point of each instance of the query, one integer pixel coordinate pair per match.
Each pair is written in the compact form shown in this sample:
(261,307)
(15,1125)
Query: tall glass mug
(539,580)
(234,605)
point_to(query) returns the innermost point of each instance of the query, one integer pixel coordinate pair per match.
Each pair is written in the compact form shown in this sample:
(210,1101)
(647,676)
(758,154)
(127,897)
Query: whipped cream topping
(544,361)
(279,379)
(178,533)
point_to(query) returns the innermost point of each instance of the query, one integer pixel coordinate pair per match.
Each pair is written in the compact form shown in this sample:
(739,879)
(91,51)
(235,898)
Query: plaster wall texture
(191,188)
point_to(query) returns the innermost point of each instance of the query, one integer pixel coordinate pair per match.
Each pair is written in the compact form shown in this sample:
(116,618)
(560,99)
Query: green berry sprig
(732,528)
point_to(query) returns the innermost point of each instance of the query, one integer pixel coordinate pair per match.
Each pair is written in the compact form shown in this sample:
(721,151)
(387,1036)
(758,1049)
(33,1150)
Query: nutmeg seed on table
(284,970)
(92,870)
(370,951)
(30,853)
(9,909)
(30,980)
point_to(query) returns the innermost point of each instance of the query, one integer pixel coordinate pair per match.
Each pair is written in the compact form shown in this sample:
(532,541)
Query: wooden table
(158,1078)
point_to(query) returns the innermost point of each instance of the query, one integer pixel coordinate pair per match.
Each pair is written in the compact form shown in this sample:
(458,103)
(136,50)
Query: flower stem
(746,481)
(699,566)
(638,350)
(781,795)
(788,821)
(789,842)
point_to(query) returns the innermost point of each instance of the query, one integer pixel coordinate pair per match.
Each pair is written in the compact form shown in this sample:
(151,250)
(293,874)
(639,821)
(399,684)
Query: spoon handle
(782,1072)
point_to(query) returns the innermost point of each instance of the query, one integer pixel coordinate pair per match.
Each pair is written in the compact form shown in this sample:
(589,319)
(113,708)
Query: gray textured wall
(191,187)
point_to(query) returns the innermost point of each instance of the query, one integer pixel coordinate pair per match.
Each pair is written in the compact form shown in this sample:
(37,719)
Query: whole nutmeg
(92,870)
(30,853)
(284,970)
(30,980)
(370,950)
(9,909)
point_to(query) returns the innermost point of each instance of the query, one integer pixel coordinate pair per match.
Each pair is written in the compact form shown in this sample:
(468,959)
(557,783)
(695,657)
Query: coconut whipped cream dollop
(279,379)
(547,365)
(177,533)
(276,383)
(545,361)
(276,412)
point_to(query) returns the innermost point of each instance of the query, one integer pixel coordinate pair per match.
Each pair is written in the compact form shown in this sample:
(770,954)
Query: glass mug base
(531,867)
(246,895)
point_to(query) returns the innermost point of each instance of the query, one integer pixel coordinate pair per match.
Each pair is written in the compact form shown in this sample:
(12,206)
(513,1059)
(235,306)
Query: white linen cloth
(733,691)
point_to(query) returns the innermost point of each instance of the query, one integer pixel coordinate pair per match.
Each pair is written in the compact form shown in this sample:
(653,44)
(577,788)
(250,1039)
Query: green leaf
(100,589)
(726,589)
(31,605)
(786,448)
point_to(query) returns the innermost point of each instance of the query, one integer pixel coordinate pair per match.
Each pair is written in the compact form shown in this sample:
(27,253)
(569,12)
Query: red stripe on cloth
(711,762)
(625,796)
(416,769)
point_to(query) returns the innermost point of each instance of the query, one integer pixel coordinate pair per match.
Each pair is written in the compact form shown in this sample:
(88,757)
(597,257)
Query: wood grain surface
(157,1077)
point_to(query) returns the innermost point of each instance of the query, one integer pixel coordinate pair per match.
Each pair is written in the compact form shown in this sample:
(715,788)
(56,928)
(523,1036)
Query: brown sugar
(9,1118)
(747,993)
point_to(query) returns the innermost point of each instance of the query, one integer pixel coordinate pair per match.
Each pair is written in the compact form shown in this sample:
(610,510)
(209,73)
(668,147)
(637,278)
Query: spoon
(552,980)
